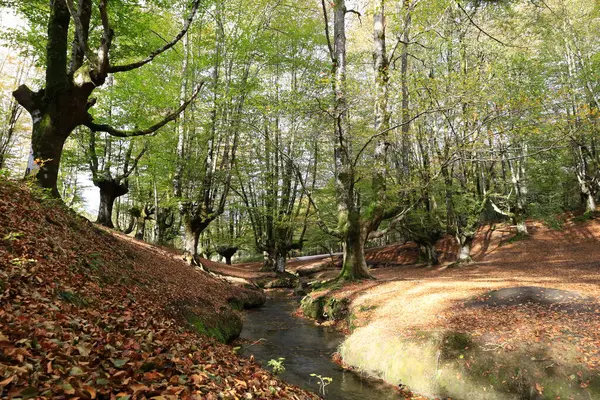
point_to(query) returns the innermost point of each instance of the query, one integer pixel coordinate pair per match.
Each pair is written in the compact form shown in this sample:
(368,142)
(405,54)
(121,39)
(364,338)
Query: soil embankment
(522,321)
(90,314)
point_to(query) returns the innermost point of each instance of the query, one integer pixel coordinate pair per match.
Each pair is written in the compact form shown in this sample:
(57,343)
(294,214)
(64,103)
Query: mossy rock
(283,280)
(312,307)
(224,326)
(336,309)
(300,289)
(247,299)
(325,308)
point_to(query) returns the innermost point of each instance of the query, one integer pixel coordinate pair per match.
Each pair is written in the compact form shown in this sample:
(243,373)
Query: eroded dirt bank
(436,330)
(429,328)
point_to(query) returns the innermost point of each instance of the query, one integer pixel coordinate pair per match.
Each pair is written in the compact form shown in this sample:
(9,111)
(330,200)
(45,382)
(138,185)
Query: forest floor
(89,314)
(535,338)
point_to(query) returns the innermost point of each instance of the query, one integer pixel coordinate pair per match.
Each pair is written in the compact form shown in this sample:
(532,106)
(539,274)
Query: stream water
(307,349)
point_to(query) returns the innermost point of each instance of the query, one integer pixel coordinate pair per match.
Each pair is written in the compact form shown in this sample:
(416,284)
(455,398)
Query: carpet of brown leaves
(410,298)
(86,314)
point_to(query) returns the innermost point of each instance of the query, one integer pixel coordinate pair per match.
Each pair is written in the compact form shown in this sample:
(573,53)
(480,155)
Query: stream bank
(272,332)
(459,357)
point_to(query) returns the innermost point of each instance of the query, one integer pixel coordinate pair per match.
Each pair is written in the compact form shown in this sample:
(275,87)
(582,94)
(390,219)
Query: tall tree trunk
(349,220)
(140,227)
(354,265)
(105,209)
(428,253)
(47,145)
(280,267)
(586,188)
(109,191)
(465,242)
(517,171)
(405,139)
(382,114)
(181,124)
(63,103)
(192,237)
(57,109)
(194,226)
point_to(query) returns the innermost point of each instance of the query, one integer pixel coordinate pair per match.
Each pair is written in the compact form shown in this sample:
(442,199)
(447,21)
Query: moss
(585,217)
(351,322)
(456,345)
(325,308)
(452,364)
(283,280)
(236,304)
(336,309)
(224,327)
(313,307)
(365,308)
(518,237)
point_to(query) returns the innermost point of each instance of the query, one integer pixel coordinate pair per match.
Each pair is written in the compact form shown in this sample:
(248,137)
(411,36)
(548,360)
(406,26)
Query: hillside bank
(86,313)
(521,322)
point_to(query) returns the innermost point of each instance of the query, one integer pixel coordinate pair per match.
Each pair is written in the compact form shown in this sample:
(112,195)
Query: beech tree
(404,121)
(72,75)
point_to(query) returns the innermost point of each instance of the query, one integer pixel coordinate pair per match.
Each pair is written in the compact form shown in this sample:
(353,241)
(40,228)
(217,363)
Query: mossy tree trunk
(64,101)
(354,265)
(109,191)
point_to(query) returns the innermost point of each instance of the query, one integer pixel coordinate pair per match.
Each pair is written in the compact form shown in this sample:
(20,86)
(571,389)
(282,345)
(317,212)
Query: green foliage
(277,365)
(12,236)
(323,381)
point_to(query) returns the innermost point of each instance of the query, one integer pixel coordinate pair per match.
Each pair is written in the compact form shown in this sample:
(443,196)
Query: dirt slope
(87,314)
(405,323)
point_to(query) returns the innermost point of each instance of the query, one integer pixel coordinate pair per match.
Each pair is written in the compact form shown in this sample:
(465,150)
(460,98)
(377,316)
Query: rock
(283,280)
(313,307)
(224,326)
(247,299)
(300,289)
(325,308)
(336,309)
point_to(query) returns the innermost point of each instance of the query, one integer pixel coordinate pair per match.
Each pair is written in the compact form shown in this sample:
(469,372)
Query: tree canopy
(272,128)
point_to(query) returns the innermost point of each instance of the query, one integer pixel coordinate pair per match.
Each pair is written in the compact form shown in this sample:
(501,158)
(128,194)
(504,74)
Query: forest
(253,137)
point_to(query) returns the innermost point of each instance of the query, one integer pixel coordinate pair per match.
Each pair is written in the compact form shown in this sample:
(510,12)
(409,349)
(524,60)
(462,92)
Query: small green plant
(21,261)
(518,237)
(95,261)
(277,365)
(323,381)
(364,308)
(12,236)
(74,298)
(585,217)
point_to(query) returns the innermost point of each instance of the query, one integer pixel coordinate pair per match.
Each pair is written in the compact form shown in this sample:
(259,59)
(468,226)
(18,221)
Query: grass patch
(73,298)
(585,217)
(365,308)
(555,223)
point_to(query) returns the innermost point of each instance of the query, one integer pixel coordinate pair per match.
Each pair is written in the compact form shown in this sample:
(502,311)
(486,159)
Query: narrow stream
(307,349)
